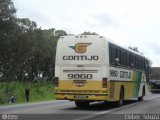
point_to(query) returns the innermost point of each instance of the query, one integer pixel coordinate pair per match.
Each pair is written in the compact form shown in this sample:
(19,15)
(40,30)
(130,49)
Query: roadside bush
(39,91)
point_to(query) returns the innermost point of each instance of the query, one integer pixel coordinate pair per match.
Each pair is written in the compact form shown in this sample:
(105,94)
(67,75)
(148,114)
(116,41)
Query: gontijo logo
(80,47)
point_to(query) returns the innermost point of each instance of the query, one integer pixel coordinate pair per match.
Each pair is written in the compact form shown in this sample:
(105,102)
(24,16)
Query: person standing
(27,94)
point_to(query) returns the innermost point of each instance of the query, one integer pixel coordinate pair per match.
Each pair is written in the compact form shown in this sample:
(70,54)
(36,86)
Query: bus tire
(143,93)
(121,98)
(82,103)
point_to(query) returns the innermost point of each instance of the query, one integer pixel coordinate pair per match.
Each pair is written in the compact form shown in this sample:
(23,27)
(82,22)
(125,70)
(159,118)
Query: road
(66,110)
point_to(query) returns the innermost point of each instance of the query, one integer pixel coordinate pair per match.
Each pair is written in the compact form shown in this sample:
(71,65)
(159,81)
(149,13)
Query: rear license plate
(80,96)
(79,84)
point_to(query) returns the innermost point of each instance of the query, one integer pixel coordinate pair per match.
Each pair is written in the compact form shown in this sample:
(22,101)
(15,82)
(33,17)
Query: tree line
(26,51)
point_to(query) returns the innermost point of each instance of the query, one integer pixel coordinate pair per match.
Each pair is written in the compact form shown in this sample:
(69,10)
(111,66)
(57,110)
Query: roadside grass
(39,91)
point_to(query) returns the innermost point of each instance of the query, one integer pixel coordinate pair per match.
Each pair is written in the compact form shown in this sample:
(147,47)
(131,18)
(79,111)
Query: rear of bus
(81,69)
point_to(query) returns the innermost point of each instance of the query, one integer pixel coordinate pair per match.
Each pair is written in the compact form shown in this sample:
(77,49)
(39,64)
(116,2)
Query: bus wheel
(82,103)
(141,97)
(121,98)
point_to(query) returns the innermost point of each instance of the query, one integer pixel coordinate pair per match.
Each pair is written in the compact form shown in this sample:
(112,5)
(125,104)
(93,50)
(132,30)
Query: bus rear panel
(81,68)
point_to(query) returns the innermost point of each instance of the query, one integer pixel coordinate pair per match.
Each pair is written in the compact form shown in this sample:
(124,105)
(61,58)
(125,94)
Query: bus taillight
(56,81)
(104,82)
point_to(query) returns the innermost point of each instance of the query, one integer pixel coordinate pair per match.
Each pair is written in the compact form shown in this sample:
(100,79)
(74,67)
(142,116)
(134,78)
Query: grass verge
(39,91)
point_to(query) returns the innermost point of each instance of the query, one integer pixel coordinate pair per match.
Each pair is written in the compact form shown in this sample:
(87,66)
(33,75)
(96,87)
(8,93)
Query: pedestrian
(27,94)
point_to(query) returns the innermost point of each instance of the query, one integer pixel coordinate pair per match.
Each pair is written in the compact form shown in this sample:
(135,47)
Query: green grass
(40,91)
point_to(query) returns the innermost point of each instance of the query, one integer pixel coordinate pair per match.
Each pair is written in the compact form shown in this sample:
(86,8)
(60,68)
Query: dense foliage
(26,51)
(39,91)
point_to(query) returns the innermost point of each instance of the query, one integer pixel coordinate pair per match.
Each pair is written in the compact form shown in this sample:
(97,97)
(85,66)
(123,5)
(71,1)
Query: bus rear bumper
(90,97)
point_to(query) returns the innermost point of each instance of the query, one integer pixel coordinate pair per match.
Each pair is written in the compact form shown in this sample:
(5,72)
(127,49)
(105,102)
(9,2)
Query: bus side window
(138,66)
(125,58)
(119,55)
(134,61)
(143,64)
(116,61)
(128,60)
(112,54)
(131,61)
(140,63)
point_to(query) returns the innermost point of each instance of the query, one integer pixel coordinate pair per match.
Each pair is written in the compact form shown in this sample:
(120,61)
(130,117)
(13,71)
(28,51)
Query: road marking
(115,109)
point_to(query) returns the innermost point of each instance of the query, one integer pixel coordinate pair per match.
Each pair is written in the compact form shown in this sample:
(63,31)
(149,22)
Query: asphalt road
(66,110)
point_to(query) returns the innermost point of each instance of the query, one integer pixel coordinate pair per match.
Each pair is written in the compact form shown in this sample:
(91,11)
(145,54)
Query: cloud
(128,23)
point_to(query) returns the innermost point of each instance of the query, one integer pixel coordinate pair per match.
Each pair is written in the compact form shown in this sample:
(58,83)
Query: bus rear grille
(80,91)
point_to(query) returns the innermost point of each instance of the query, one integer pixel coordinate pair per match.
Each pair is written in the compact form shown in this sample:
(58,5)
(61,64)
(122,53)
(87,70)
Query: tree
(59,33)
(7,15)
(7,26)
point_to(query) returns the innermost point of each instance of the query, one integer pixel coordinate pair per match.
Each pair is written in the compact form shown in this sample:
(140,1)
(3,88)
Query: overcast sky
(127,22)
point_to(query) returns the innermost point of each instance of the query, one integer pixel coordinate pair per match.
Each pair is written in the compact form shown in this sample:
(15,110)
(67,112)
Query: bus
(92,68)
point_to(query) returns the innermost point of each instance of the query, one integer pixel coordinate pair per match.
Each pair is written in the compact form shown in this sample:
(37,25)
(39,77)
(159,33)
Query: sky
(134,23)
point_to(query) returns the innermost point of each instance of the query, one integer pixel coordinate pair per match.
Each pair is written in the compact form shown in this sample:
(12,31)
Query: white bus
(91,68)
